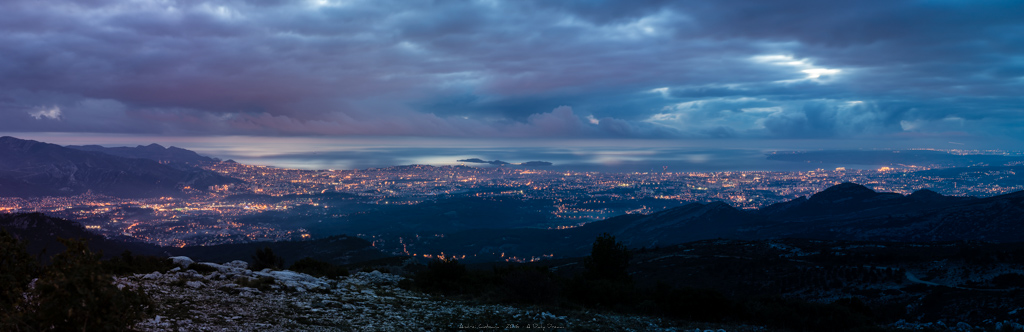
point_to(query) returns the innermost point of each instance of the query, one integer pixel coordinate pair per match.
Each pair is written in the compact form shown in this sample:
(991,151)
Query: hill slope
(171,155)
(843,212)
(30,168)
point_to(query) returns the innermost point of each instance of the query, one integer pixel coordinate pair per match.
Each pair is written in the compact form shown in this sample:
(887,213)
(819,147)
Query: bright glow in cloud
(493,68)
(662,91)
(803,65)
(46,112)
(818,72)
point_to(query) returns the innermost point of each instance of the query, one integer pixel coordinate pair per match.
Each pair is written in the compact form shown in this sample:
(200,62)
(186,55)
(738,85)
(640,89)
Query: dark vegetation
(605,284)
(748,282)
(73,293)
(266,259)
(318,268)
(846,211)
(40,232)
(337,250)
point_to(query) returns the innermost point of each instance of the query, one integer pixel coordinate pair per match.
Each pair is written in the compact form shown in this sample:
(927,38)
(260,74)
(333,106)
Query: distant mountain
(846,211)
(922,217)
(502,163)
(31,168)
(854,201)
(481,161)
(173,155)
(893,157)
(843,212)
(40,233)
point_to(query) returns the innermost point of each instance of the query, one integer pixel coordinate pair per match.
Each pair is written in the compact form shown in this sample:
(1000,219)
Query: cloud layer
(488,68)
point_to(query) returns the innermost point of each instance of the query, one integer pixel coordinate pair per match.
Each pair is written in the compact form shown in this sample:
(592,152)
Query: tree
(17,268)
(75,294)
(266,259)
(608,260)
(318,268)
(446,276)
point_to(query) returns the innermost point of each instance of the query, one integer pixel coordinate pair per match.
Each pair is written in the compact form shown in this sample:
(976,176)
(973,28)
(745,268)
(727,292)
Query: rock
(353,304)
(182,261)
(229,270)
(238,264)
(295,280)
(378,278)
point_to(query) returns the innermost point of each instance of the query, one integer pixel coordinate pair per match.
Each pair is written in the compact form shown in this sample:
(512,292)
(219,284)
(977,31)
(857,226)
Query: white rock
(194,284)
(183,261)
(230,270)
(238,264)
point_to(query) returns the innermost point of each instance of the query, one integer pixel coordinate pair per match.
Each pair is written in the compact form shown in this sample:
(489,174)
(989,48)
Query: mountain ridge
(156,152)
(31,168)
(846,211)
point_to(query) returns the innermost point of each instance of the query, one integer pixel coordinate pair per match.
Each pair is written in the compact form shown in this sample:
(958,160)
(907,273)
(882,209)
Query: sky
(836,73)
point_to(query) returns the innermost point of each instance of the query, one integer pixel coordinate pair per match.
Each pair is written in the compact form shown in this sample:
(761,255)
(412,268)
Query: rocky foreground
(228,297)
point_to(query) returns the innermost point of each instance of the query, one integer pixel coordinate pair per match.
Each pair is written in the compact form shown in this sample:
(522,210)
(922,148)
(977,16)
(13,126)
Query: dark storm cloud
(735,68)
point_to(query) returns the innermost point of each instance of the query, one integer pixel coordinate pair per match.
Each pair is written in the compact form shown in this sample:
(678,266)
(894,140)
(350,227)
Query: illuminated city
(212,216)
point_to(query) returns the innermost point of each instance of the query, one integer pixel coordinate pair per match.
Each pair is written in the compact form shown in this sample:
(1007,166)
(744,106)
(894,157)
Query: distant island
(502,163)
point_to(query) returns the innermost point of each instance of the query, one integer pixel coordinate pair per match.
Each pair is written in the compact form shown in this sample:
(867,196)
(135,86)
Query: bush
(805,316)
(703,305)
(602,293)
(266,259)
(128,263)
(1009,280)
(318,268)
(528,285)
(74,293)
(446,276)
(608,259)
(17,268)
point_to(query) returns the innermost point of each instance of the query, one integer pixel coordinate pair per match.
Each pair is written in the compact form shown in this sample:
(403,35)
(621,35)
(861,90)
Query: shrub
(446,276)
(1008,280)
(608,259)
(805,316)
(528,285)
(128,263)
(17,268)
(704,305)
(318,268)
(266,259)
(74,293)
(602,293)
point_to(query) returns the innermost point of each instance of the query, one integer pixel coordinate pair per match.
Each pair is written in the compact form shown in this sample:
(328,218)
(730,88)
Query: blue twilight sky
(709,71)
